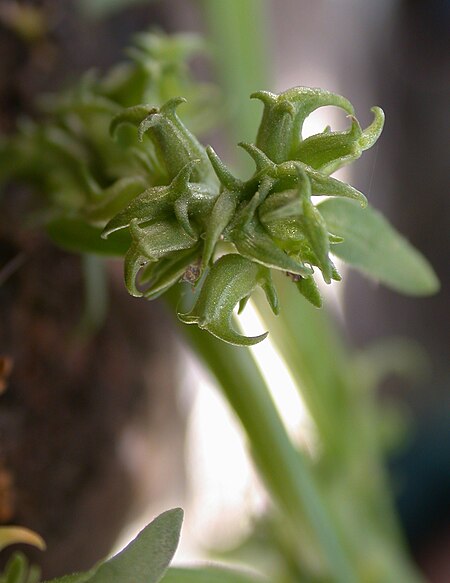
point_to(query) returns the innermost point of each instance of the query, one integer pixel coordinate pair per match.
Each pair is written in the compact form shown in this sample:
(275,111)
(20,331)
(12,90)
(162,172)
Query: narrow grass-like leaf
(372,245)
(15,571)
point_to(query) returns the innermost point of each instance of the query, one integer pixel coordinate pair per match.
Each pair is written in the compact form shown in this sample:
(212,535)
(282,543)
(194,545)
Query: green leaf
(373,246)
(144,560)
(74,234)
(208,575)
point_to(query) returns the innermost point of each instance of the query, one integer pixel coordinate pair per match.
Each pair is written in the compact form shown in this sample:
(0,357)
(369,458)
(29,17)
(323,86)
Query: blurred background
(125,440)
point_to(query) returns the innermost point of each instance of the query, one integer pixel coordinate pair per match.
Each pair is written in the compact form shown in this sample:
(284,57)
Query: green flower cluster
(269,219)
(67,156)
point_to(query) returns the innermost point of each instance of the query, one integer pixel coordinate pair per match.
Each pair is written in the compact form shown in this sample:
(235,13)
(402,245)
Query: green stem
(320,365)
(283,468)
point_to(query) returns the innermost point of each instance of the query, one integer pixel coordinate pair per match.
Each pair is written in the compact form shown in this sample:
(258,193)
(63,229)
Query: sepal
(175,145)
(280,131)
(329,151)
(151,244)
(159,276)
(222,213)
(255,244)
(309,290)
(160,201)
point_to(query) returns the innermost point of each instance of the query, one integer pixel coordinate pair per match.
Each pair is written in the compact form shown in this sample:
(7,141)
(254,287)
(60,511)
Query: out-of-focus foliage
(68,156)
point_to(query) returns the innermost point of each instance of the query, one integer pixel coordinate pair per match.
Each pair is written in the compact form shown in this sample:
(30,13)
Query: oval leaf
(373,246)
(147,557)
(144,560)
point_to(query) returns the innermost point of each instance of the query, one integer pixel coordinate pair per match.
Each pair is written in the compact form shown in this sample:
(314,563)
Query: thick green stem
(318,360)
(283,468)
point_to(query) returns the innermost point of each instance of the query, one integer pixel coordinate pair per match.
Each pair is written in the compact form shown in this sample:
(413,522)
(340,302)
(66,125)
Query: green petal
(154,203)
(329,151)
(134,261)
(308,99)
(231,279)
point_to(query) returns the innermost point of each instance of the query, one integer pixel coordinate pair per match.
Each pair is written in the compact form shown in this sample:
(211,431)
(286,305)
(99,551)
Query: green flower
(269,220)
